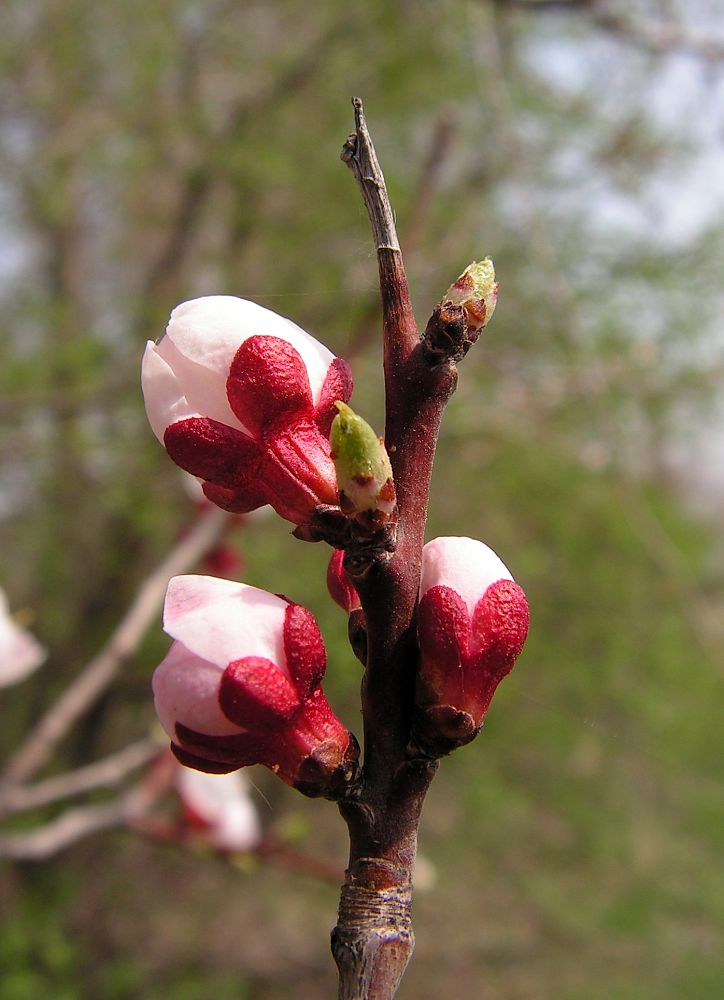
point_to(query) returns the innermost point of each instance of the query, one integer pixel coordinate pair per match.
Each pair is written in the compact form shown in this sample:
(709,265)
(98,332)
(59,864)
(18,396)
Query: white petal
(186,690)
(223,802)
(20,653)
(220,620)
(210,330)
(464,564)
(204,388)
(162,392)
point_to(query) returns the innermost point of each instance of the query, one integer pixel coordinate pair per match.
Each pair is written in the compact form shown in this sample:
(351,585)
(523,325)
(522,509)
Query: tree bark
(373,940)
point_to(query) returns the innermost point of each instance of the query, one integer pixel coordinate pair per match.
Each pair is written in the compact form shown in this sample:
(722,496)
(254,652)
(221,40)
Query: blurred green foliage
(151,153)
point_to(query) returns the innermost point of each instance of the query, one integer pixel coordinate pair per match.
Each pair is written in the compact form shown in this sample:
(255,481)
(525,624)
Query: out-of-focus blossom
(241,685)
(244,399)
(220,807)
(222,559)
(473,621)
(20,652)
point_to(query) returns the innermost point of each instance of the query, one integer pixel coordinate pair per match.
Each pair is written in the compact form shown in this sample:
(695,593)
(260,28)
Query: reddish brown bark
(373,939)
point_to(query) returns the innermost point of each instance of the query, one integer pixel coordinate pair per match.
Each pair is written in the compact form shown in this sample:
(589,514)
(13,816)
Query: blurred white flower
(220,806)
(20,652)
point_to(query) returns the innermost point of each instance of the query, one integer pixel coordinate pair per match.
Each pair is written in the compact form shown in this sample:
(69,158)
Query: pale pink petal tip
(20,652)
(210,330)
(186,691)
(221,620)
(466,565)
(162,393)
(222,804)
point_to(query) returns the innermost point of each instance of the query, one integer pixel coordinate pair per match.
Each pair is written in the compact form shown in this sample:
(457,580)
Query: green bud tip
(364,474)
(476,290)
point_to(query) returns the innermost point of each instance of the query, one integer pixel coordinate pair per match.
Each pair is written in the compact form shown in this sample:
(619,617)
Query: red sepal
(463,660)
(443,627)
(221,561)
(304,649)
(239,501)
(500,623)
(238,749)
(211,450)
(338,384)
(200,763)
(268,384)
(253,692)
(298,468)
(319,718)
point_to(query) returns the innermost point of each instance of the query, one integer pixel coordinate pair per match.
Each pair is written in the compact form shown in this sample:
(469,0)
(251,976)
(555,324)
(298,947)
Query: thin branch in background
(132,811)
(275,853)
(106,773)
(271,851)
(696,606)
(46,841)
(655,36)
(658,36)
(423,199)
(38,746)
(200,180)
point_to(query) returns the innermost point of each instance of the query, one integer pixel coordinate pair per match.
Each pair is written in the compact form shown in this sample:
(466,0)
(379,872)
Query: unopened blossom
(341,590)
(244,399)
(20,653)
(220,807)
(241,685)
(473,621)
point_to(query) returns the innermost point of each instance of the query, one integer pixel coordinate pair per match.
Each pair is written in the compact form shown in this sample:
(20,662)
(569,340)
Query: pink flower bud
(241,685)
(473,621)
(340,589)
(220,808)
(244,400)
(20,653)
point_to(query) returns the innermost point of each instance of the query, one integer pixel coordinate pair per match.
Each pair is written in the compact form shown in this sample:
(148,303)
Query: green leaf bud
(476,290)
(364,473)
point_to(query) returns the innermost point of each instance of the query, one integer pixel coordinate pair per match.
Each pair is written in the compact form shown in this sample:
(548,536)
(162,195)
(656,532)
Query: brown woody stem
(373,939)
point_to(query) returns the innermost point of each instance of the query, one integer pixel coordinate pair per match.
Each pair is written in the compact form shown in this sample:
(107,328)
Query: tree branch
(400,329)
(373,939)
(359,154)
(417,220)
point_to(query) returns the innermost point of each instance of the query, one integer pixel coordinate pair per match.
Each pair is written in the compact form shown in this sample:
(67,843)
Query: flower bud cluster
(255,408)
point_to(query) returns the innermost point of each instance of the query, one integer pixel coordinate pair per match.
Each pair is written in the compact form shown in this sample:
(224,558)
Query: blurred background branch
(652,33)
(150,154)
